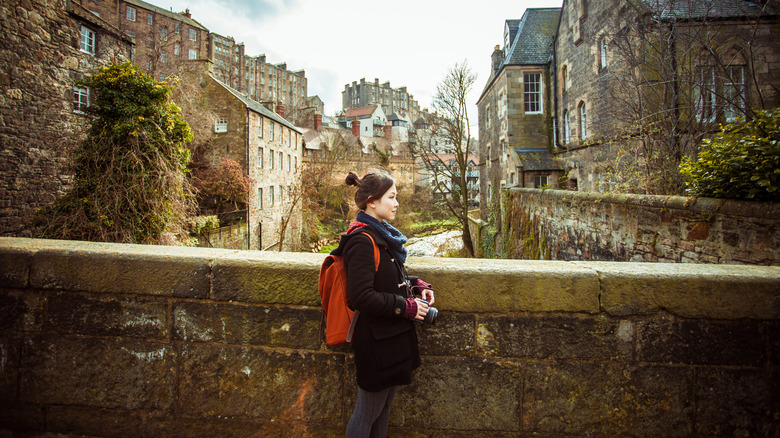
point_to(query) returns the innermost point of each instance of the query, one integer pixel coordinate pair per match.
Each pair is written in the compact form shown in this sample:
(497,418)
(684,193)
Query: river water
(436,245)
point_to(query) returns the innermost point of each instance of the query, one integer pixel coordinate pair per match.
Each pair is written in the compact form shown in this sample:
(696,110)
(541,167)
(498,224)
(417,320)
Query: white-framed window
(704,94)
(220,124)
(734,93)
(271,159)
(281,161)
(150,19)
(566,127)
(193,54)
(289,139)
(271,195)
(260,126)
(603,53)
(501,105)
(289,163)
(532,93)
(281,195)
(583,122)
(163,33)
(176,27)
(80,99)
(272,131)
(193,35)
(259,158)
(540,181)
(176,49)
(130,13)
(87,40)
(260,198)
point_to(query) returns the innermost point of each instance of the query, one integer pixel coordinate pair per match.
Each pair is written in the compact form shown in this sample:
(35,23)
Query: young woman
(384,339)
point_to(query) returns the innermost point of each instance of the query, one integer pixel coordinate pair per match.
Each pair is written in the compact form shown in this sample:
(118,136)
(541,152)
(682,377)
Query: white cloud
(410,43)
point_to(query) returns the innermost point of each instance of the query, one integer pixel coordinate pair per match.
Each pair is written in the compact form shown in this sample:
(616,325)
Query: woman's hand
(422,309)
(427,295)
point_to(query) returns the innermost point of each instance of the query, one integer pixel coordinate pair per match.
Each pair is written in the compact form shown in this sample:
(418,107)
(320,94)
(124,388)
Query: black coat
(384,341)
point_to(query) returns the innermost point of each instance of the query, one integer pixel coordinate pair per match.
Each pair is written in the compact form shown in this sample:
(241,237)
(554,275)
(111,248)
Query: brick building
(393,100)
(44,49)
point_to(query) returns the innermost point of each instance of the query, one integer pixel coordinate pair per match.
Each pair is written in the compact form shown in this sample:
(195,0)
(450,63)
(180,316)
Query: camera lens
(430,317)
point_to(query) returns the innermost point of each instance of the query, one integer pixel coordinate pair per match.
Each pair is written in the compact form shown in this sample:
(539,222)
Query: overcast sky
(410,43)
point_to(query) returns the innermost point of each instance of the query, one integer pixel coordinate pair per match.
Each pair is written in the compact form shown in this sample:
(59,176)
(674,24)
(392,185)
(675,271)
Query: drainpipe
(249,198)
(557,137)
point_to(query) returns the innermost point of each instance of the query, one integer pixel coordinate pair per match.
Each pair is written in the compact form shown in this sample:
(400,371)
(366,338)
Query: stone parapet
(112,340)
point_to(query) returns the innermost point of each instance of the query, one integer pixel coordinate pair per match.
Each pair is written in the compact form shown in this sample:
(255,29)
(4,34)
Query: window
(176,27)
(164,33)
(705,94)
(176,49)
(130,13)
(271,195)
(603,53)
(260,198)
(149,19)
(540,181)
(193,54)
(289,139)
(566,127)
(220,125)
(260,126)
(163,56)
(87,40)
(532,92)
(583,122)
(289,163)
(193,35)
(272,131)
(80,99)
(734,93)
(271,159)
(281,161)
(259,158)
(564,77)
(281,195)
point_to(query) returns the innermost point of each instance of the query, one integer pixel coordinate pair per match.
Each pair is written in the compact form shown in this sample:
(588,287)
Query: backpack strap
(376,251)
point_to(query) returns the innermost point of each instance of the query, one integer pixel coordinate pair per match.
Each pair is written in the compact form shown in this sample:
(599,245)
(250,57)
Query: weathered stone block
(663,404)
(559,337)
(667,339)
(21,310)
(268,278)
(696,291)
(247,325)
(577,399)
(102,373)
(100,267)
(255,383)
(488,399)
(99,315)
(90,421)
(9,373)
(26,417)
(483,285)
(16,266)
(452,335)
(732,402)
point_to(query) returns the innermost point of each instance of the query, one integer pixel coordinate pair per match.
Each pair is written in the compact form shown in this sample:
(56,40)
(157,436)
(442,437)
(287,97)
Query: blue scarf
(395,239)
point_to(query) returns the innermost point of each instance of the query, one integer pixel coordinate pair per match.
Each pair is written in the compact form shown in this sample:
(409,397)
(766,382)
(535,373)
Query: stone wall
(230,237)
(567,225)
(109,340)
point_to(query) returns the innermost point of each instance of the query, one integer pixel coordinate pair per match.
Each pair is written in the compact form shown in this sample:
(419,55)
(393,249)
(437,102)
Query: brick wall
(128,340)
(566,225)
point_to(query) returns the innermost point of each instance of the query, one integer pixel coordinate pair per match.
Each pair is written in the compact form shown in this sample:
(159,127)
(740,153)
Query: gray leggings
(372,414)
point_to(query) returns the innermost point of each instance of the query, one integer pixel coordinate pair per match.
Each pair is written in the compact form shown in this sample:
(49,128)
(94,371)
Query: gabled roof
(258,107)
(364,111)
(534,39)
(712,9)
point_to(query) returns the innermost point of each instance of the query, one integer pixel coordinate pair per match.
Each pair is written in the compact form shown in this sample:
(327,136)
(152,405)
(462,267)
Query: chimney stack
(317,121)
(498,59)
(280,108)
(355,127)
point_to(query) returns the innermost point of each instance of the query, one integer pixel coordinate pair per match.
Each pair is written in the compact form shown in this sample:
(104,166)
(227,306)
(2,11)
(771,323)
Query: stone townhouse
(163,38)
(515,132)
(44,50)
(660,73)
(267,146)
(393,100)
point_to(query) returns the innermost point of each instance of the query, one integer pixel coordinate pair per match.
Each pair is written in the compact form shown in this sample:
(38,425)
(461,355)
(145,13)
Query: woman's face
(386,207)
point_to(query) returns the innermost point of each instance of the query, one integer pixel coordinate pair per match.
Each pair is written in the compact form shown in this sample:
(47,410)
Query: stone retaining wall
(570,225)
(110,340)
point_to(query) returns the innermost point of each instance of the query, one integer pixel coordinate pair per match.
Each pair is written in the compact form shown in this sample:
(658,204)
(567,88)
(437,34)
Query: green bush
(740,162)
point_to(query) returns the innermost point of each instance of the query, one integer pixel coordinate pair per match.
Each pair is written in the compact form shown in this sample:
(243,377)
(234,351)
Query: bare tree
(678,71)
(445,145)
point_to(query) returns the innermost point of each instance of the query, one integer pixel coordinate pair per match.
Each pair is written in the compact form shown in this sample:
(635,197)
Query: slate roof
(258,107)
(537,159)
(712,9)
(364,111)
(166,12)
(533,42)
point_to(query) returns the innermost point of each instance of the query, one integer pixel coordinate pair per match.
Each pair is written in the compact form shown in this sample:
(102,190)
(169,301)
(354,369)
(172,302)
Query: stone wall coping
(759,210)
(462,285)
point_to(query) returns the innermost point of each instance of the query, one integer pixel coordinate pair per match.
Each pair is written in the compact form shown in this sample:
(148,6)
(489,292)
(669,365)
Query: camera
(430,317)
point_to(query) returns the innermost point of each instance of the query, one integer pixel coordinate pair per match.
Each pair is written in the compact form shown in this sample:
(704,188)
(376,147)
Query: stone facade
(393,100)
(567,225)
(42,54)
(194,342)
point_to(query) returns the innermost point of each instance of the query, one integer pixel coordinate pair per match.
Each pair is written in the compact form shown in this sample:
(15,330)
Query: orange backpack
(339,318)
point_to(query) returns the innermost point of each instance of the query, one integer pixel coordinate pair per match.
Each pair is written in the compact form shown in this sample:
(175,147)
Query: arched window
(583,122)
(734,89)
(566,130)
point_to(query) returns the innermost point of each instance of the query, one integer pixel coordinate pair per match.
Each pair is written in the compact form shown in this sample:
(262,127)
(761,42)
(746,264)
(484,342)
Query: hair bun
(352,179)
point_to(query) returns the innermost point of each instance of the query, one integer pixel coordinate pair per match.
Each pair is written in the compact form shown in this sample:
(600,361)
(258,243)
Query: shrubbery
(740,162)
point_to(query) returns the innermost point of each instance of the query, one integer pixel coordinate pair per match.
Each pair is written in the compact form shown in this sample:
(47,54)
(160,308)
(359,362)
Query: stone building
(393,100)
(267,146)
(515,133)
(44,49)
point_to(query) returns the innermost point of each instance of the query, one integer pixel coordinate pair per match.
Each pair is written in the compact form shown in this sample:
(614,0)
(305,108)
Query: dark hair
(371,187)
